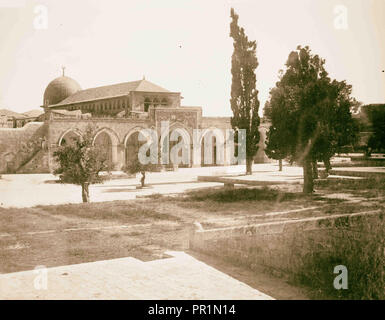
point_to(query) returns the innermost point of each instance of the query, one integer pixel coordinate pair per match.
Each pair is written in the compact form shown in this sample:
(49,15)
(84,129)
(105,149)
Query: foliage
(359,246)
(376,116)
(136,166)
(276,147)
(80,163)
(309,113)
(244,95)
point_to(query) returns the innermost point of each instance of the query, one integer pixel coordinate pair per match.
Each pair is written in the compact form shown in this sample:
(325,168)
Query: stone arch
(70,132)
(132,131)
(214,154)
(109,141)
(112,134)
(132,144)
(184,134)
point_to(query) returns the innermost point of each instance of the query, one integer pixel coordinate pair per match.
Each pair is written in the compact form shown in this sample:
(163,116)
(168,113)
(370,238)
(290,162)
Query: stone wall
(216,122)
(279,246)
(18,147)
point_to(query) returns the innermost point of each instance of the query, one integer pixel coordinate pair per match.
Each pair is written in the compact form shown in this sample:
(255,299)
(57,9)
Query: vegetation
(360,247)
(376,114)
(80,162)
(136,166)
(244,95)
(276,147)
(310,114)
(243,194)
(369,187)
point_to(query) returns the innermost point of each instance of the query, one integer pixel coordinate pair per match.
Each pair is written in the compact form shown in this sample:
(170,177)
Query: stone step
(339,177)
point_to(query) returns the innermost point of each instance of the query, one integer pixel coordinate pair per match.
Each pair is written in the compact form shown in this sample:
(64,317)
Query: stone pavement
(179,277)
(27,190)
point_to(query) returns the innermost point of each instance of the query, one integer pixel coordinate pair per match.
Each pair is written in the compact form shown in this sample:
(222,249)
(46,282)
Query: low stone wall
(276,245)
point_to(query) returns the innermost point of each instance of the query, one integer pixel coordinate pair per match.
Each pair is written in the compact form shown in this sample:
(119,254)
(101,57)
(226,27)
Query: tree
(136,166)
(81,162)
(276,144)
(376,115)
(244,95)
(310,114)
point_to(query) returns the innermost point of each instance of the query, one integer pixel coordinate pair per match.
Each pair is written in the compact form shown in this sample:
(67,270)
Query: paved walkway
(178,277)
(27,190)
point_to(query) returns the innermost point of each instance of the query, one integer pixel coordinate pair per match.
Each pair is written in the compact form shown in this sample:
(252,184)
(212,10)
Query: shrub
(358,244)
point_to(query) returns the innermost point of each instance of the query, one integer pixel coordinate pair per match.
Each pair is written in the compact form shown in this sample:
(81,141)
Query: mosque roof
(59,89)
(115,90)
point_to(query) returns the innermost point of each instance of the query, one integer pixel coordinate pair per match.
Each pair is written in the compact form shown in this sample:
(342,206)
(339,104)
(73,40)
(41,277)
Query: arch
(68,132)
(113,135)
(214,154)
(180,125)
(104,142)
(109,140)
(132,144)
(179,130)
(215,131)
(133,130)
(181,133)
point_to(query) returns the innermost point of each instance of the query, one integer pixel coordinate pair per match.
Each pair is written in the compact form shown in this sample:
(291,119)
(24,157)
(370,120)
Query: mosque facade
(117,113)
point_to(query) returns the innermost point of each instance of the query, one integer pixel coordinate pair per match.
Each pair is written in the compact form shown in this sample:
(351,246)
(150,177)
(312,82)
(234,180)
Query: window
(147,102)
(164,102)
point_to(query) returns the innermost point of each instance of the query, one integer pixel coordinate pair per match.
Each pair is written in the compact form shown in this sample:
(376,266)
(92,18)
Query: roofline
(105,98)
(82,101)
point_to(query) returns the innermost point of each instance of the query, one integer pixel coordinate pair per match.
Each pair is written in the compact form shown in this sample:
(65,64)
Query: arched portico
(108,140)
(69,137)
(179,147)
(211,147)
(132,145)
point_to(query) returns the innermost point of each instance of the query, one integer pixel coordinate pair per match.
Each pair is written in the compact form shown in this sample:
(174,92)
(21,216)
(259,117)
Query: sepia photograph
(189,154)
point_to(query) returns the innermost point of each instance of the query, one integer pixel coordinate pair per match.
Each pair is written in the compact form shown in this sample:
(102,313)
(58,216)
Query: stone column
(120,162)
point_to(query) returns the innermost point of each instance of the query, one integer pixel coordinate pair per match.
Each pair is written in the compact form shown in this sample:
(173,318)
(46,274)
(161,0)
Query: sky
(183,45)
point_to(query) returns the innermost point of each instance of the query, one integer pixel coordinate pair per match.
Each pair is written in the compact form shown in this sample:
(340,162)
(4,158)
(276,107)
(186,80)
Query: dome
(60,89)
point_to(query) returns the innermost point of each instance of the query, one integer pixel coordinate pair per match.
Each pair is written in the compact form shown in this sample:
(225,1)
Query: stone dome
(60,89)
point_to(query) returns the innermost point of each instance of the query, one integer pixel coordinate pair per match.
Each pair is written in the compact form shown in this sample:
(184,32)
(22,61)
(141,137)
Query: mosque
(117,112)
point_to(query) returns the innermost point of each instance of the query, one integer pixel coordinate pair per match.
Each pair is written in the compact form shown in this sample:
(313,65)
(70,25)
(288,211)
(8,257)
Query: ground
(146,227)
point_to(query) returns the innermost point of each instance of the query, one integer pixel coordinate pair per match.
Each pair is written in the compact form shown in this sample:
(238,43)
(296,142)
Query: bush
(357,243)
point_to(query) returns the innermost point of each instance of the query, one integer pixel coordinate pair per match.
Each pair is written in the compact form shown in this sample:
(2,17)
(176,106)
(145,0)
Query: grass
(359,247)
(161,223)
(369,187)
(116,210)
(242,194)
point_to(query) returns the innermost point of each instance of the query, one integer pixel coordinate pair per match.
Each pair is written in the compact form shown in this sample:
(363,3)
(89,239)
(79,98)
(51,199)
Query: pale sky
(184,45)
